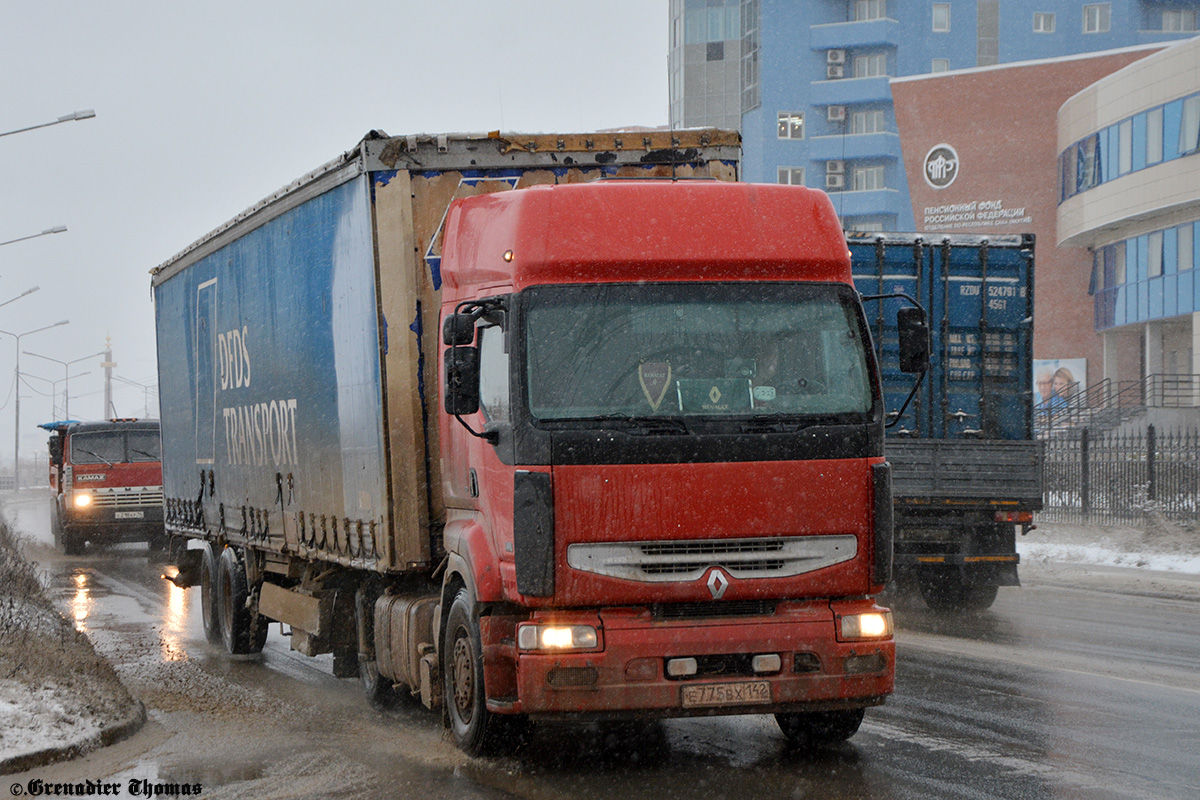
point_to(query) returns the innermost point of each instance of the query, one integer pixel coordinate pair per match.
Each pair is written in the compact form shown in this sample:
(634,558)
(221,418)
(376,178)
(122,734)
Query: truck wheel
(820,727)
(944,593)
(477,731)
(208,595)
(56,529)
(241,632)
(73,543)
(376,687)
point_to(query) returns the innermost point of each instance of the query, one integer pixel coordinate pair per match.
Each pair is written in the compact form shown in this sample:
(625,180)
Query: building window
(941,17)
(869,9)
(940,65)
(1125,147)
(791,124)
(867,179)
(1178,21)
(1096,17)
(792,176)
(865,227)
(868,121)
(871,66)
(1189,127)
(714,51)
(1184,248)
(1154,135)
(1155,267)
(1043,22)
(1119,272)
(750,19)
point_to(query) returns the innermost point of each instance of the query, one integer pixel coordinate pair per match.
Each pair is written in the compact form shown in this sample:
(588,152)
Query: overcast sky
(204,108)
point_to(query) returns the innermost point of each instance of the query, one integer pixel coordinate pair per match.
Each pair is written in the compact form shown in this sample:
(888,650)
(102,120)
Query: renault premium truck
(537,427)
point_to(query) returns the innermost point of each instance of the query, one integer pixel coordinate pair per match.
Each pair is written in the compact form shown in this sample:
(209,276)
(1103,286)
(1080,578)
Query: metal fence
(1120,479)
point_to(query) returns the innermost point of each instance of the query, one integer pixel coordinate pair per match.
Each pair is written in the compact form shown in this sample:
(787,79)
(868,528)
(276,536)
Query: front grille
(762,557)
(732,664)
(127,497)
(732,608)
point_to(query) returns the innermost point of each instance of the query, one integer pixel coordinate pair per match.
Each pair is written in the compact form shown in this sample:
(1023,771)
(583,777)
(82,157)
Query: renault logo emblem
(717,584)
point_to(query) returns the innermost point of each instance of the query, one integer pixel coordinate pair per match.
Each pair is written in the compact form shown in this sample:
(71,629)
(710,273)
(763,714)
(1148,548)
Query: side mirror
(914,339)
(461,395)
(56,450)
(458,330)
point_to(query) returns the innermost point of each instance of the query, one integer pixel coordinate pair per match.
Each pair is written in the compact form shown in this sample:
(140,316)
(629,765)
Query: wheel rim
(463,677)
(226,590)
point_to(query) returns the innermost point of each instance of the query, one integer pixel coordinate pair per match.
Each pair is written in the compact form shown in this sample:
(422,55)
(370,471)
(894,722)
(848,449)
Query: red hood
(142,473)
(705,502)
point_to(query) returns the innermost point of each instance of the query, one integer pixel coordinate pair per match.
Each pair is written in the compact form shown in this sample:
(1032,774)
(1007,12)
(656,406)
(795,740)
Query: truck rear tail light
(873,625)
(681,667)
(557,637)
(769,662)
(83,500)
(1021,517)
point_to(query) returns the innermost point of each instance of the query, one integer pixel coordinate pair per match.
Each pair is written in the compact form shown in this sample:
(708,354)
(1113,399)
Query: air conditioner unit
(835,181)
(836,113)
(836,56)
(834,71)
(835,167)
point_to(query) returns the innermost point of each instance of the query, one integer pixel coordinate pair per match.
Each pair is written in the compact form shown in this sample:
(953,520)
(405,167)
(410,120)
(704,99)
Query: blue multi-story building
(808,80)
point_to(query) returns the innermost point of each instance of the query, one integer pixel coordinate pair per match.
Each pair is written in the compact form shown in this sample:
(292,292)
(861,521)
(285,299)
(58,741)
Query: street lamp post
(17,397)
(146,390)
(47,232)
(54,389)
(84,113)
(66,378)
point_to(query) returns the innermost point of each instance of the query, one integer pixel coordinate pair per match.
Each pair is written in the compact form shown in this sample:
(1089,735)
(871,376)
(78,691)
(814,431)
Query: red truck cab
(107,482)
(666,488)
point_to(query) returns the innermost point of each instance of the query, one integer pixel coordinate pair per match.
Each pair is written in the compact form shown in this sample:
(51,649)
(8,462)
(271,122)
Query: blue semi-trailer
(966,468)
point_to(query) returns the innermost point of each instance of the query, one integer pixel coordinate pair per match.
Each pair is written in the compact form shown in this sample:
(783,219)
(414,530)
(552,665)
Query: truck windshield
(652,350)
(115,447)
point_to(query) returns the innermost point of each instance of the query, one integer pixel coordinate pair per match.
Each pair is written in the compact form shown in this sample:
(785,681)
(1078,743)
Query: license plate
(130,515)
(727,694)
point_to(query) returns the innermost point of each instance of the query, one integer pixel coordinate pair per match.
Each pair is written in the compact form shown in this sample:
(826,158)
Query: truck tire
(242,631)
(73,543)
(208,595)
(56,529)
(820,727)
(951,593)
(477,731)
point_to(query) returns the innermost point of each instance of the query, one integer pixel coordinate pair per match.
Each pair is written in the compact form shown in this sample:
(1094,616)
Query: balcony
(842,35)
(847,91)
(854,146)
(862,204)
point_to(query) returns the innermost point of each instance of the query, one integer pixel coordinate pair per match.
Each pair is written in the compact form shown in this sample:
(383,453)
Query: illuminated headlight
(874,625)
(83,500)
(557,637)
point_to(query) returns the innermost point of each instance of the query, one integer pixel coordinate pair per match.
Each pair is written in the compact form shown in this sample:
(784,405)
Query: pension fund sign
(941,166)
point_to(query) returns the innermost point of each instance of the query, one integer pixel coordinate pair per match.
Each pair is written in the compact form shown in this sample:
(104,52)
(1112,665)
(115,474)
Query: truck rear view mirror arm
(913,333)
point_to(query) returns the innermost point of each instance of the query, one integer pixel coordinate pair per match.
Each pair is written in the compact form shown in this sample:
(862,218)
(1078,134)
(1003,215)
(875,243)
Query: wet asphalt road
(1056,692)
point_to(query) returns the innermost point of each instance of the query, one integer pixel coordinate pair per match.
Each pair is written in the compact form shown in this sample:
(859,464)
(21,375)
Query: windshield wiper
(151,456)
(638,426)
(97,455)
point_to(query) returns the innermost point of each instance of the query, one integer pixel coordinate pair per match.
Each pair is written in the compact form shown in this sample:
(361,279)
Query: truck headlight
(873,625)
(82,500)
(557,637)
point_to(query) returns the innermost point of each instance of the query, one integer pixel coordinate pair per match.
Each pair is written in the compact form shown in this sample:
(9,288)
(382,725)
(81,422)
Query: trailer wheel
(241,632)
(208,595)
(820,727)
(376,687)
(477,731)
(950,593)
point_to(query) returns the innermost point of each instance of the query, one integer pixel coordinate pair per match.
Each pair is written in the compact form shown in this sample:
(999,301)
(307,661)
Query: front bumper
(112,525)
(626,677)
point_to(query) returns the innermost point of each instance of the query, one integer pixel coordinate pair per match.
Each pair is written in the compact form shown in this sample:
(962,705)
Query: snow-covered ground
(1162,546)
